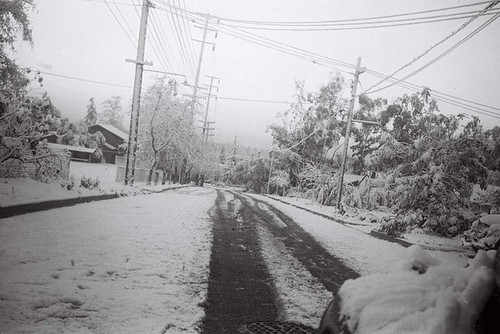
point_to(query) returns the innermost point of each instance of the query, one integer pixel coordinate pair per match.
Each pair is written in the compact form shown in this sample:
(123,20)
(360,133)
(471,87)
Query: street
(241,287)
(190,260)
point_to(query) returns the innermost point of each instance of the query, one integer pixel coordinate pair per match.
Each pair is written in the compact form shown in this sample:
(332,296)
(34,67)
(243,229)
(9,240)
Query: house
(78,153)
(114,138)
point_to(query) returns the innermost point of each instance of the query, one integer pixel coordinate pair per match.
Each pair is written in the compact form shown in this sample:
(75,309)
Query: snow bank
(420,294)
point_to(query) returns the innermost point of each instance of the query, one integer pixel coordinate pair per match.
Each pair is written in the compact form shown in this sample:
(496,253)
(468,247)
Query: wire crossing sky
(263,47)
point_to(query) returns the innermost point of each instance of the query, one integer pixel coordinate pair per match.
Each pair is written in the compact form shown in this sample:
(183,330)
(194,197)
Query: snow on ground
(420,295)
(105,172)
(357,249)
(24,190)
(130,265)
(371,220)
(303,298)
(19,191)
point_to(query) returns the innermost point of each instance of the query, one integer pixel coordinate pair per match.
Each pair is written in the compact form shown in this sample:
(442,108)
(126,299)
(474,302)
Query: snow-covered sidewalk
(131,265)
(27,191)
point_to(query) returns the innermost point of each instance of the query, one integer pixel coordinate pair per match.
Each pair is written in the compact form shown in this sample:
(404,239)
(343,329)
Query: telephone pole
(348,130)
(206,123)
(136,98)
(270,170)
(200,60)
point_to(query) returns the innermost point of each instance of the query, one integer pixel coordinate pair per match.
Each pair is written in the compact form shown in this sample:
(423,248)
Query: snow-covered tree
(167,137)
(91,115)
(112,112)
(77,134)
(313,122)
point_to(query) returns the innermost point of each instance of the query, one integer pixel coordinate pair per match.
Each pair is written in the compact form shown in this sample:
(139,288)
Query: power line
(442,97)
(170,59)
(252,100)
(181,41)
(374,25)
(189,37)
(446,98)
(124,19)
(298,23)
(456,45)
(121,25)
(85,80)
(453,33)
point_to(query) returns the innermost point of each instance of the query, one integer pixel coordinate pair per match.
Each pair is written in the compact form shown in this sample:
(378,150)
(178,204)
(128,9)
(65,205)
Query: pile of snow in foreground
(420,295)
(130,265)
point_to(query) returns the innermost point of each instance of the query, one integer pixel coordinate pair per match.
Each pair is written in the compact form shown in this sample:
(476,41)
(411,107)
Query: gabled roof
(113,130)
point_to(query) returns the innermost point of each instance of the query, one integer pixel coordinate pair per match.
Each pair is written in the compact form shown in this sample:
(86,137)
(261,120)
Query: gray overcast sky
(83,39)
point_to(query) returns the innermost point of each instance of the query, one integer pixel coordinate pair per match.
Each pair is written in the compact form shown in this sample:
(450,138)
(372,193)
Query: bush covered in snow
(418,295)
(484,233)
(433,191)
(89,183)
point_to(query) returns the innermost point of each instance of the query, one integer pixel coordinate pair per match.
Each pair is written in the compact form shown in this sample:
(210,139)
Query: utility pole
(200,60)
(235,148)
(136,99)
(348,130)
(206,123)
(270,171)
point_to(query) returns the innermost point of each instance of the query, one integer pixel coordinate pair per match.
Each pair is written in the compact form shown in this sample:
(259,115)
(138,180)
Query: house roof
(113,130)
(72,148)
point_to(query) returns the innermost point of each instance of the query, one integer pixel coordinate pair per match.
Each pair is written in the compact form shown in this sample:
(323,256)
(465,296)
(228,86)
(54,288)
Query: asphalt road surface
(240,289)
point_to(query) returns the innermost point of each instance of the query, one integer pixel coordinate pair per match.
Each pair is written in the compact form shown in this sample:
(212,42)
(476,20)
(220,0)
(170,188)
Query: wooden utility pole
(270,171)
(206,123)
(348,131)
(136,99)
(198,69)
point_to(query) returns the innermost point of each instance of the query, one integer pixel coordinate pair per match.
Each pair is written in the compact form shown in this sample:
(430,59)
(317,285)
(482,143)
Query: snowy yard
(99,268)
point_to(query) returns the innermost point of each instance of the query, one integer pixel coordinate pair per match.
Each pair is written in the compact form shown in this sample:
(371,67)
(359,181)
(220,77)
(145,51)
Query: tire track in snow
(328,269)
(240,288)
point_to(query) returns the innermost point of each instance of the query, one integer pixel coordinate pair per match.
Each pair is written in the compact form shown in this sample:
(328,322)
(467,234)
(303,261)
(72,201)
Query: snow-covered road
(142,264)
(131,265)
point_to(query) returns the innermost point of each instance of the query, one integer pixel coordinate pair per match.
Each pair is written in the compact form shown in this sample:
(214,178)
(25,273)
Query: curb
(15,210)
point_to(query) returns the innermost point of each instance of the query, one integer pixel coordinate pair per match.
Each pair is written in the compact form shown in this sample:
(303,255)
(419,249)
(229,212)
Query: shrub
(69,184)
(89,183)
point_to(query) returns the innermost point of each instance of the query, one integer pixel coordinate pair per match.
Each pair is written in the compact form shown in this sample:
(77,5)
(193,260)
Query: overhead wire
(180,62)
(447,98)
(446,38)
(189,38)
(293,23)
(132,40)
(443,54)
(181,42)
(83,79)
(124,19)
(374,25)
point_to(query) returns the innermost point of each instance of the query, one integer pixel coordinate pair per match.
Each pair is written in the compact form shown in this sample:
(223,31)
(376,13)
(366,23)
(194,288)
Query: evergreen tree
(112,112)
(222,155)
(91,116)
